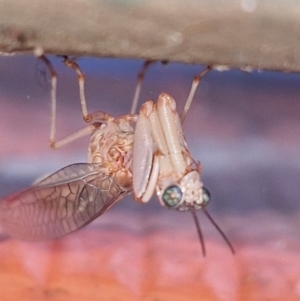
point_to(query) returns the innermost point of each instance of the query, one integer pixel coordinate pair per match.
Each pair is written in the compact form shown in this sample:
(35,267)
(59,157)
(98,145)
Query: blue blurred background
(244,127)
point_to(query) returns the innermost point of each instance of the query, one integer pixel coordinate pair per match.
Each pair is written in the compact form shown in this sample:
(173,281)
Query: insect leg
(72,64)
(88,117)
(195,84)
(140,80)
(88,130)
(53,97)
(82,132)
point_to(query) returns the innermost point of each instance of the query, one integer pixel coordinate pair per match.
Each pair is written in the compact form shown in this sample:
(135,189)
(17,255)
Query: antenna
(201,240)
(219,230)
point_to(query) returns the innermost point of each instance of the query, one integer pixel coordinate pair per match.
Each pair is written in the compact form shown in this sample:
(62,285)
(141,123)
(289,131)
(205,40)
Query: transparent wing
(59,204)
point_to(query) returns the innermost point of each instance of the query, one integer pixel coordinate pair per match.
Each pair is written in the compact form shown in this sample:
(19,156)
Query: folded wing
(61,203)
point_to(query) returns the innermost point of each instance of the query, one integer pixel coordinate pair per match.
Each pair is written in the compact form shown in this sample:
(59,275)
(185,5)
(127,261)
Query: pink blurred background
(245,130)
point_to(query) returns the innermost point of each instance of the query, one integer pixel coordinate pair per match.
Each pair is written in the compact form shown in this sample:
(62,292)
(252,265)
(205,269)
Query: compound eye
(172,196)
(205,196)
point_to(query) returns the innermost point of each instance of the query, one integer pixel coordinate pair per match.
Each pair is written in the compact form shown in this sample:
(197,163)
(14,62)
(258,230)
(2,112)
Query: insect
(142,154)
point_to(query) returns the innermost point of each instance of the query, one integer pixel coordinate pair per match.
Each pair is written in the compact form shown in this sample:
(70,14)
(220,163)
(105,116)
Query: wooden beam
(243,34)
